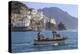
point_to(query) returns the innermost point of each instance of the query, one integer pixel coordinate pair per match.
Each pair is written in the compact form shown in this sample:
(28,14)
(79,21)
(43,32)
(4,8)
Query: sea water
(23,41)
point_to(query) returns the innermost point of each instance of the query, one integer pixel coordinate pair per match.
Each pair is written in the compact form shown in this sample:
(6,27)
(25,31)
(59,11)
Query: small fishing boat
(56,40)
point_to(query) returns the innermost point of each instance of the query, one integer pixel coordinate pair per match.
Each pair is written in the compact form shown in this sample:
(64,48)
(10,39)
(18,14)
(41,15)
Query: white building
(53,21)
(37,15)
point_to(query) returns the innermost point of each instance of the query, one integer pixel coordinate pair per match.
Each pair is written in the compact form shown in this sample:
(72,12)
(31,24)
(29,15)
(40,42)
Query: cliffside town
(30,19)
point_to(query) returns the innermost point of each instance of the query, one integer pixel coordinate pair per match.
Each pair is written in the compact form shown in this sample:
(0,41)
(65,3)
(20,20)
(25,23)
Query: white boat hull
(48,42)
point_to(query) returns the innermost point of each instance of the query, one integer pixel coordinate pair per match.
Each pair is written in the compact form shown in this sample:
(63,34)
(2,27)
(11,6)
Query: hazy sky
(71,9)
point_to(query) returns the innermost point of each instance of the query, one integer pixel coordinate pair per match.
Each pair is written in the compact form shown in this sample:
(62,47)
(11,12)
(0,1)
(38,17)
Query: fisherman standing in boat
(56,35)
(40,37)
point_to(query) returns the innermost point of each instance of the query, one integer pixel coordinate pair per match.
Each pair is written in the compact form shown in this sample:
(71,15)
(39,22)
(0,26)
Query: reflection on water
(23,41)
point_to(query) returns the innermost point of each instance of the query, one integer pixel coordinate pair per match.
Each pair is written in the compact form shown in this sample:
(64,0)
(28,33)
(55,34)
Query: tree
(61,26)
(16,6)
